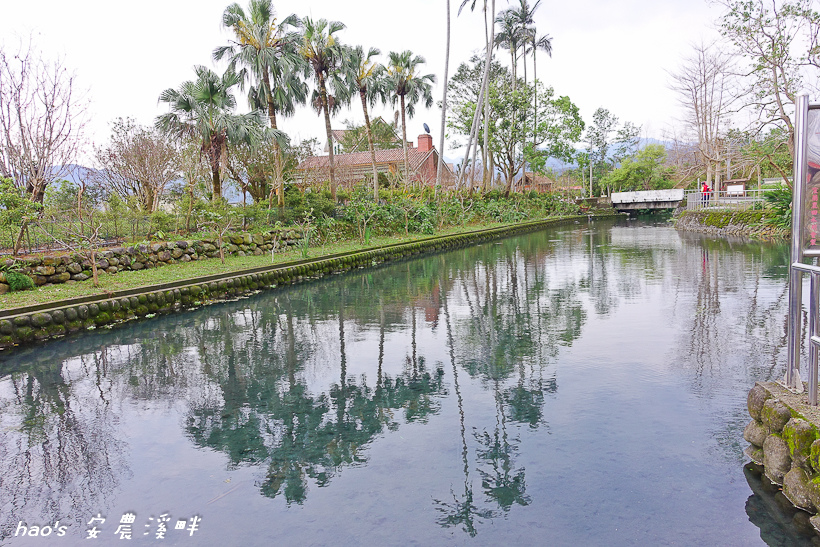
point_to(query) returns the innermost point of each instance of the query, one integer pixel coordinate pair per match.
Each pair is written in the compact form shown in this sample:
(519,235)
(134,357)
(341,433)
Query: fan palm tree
(368,79)
(325,55)
(202,110)
(408,87)
(266,53)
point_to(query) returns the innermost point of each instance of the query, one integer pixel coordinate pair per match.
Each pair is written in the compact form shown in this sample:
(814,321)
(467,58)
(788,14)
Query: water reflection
(299,384)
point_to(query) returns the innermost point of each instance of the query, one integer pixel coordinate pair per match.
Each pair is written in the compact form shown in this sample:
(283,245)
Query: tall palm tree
(510,37)
(483,96)
(368,79)
(203,110)
(440,165)
(524,16)
(267,53)
(544,43)
(409,87)
(325,54)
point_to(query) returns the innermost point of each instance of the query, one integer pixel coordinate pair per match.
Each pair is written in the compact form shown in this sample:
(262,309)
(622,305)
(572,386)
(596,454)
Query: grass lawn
(176,272)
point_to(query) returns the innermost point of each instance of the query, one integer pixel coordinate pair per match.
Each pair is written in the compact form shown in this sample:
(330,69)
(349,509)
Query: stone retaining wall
(76,268)
(27,328)
(784,437)
(728,223)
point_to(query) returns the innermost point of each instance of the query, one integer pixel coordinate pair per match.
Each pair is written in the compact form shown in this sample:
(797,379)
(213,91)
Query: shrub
(18,281)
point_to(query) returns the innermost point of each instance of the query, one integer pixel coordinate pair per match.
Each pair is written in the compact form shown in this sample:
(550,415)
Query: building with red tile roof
(355,167)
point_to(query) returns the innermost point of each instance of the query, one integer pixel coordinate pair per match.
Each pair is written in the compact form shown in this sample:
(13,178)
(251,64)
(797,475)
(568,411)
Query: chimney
(425,142)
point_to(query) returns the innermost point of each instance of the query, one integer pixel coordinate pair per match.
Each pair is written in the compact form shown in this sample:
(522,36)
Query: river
(581,385)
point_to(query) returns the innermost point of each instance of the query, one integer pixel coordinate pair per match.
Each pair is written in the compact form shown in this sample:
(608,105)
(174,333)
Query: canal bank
(723,223)
(55,319)
(784,444)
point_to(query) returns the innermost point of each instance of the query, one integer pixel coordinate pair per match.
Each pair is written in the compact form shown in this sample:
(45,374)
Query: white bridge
(647,199)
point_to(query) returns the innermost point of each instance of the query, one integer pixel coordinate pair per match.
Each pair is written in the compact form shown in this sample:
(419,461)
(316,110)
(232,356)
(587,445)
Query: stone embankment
(54,269)
(729,223)
(37,323)
(784,437)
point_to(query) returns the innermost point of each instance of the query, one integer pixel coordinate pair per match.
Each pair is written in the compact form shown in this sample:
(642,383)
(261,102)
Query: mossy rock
(799,436)
(756,433)
(74,325)
(103,318)
(7,341)
(775,415)
(776,458)
(40,320)
(56,330)
(105,305)
(22,321)
(82,311)
(6,327)
(26,334)
(142,299)
(93,310)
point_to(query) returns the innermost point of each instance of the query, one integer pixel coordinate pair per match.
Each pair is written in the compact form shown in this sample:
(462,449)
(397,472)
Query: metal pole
(792,379)
(812,345)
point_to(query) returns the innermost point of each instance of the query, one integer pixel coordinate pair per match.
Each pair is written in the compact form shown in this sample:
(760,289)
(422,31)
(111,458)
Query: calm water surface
(584,385)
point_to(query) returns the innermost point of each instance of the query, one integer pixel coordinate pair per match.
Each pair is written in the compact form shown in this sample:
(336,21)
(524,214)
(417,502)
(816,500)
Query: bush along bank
(753,223)
(26,326)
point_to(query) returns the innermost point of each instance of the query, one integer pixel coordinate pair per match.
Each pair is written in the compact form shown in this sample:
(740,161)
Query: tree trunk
(404,145)
(326,108)
(486,150)
(362,94)
(440,165)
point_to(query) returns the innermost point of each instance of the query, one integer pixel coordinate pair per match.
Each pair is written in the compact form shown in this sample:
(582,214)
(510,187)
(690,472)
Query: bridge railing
(736,200)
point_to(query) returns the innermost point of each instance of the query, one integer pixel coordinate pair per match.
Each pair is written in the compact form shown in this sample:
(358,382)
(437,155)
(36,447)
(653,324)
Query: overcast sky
(615,55)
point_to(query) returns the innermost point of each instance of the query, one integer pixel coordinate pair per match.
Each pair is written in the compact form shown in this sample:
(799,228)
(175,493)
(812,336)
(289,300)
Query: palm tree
(264,49)
(510,37)
(483,96)
(524,16)
(321,49)
(440,165)
(368,80)
(202,110)
(544,43)
(409,87)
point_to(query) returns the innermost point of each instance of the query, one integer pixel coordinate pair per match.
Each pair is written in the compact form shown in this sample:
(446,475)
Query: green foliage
(355,137)
(644,171)
(15,205)
(18,281)
(780,202)
(297,203)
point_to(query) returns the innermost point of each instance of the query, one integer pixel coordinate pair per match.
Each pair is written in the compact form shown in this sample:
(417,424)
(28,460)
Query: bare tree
(778,39)
(138,164)
(42,117)
(703,84)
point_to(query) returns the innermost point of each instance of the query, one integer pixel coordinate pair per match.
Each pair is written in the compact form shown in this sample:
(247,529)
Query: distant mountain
(75,174)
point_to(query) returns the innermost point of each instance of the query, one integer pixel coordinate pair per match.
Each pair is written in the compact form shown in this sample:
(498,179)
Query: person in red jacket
(706,192)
